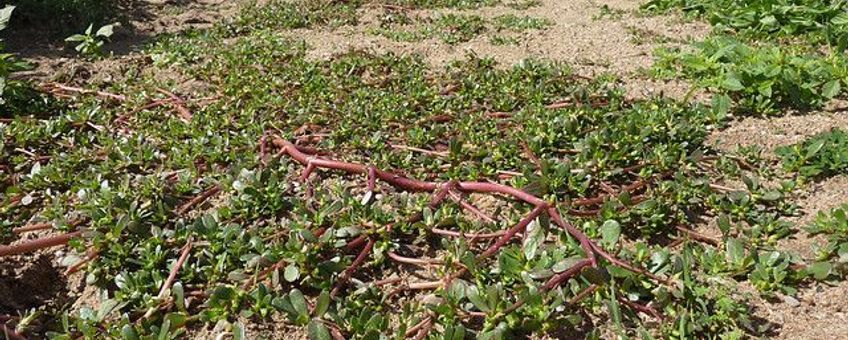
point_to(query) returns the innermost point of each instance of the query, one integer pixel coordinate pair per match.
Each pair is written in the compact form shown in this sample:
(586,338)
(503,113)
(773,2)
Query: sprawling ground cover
(374,195)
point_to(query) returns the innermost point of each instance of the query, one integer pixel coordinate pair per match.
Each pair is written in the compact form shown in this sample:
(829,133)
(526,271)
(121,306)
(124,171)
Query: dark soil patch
(30,282)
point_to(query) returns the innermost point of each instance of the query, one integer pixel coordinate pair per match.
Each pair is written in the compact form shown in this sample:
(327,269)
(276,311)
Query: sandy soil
(580,36)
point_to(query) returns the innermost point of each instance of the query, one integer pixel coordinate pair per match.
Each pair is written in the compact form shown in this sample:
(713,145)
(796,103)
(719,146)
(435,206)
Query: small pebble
(791,301)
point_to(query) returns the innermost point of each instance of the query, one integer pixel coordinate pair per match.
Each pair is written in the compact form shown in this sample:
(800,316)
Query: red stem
(413,261)
(10,333)
(642,308)
(32,227)
(512,231)
(198,199)
(353,266)
(176,269)
(470,207)
(41,243)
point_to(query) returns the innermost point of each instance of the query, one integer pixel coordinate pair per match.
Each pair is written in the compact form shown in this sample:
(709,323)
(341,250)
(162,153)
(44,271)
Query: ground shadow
(28,35)
(30,282)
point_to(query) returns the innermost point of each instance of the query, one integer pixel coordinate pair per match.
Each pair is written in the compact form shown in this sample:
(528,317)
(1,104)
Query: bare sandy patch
(773,132)
(581,35)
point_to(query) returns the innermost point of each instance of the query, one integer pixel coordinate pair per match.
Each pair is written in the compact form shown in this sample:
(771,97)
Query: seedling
(90,43)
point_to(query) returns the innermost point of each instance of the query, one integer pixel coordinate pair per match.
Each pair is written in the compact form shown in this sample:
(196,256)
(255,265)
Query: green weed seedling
(90,43)
(820,156)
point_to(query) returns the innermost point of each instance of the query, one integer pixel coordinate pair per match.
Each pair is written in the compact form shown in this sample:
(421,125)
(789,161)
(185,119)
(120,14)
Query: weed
(759,79)
(64,16)
(822,155)
(516,23)
(834,225)
(817,21)
(502,40)
(192,219)
(523,4)
(9,64)
(90,43)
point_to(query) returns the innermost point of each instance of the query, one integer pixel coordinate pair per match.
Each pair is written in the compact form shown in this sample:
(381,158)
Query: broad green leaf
(820,270)
(299,303)
(238,331)
(322,304)
(772,196)
(128,333)
(535,237)
(732,83)
(75,38)
(317,331)
(106,31)
(721,104)
(831,89)
(456,332)
(735,250)
(724,224)
(178,293)
(5,15)
(291,273)
(840,19)
(597,275)
(814,148)
(566,263)
(610,232)
(473,295)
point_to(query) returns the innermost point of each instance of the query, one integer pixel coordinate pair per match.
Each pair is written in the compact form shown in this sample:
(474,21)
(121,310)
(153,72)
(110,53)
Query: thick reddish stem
(353,266)
(471,236)
(356,243)
(263,275)
(198,199)
(84,91)
(642,308)
(558,279)
(441,191)
(585,243)
(414,329)
(91,255)
(372,179)
(512,231)
(413,261)
(176,269)
(625,265)
(179,105)
(10,333)
(552,283)
(41,243)
(263,149)
(698,236)
(470,207)
(32,227)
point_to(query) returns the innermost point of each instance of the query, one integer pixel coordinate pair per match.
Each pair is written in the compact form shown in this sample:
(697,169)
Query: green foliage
(90,43)
(458,4)
(9,64)
(449,28)
(285,14)
(822,155)
(834,225)
(758,79)
(707,305)
(456,28)
(263,248)
(64,16)
(817,21)
(520,23)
